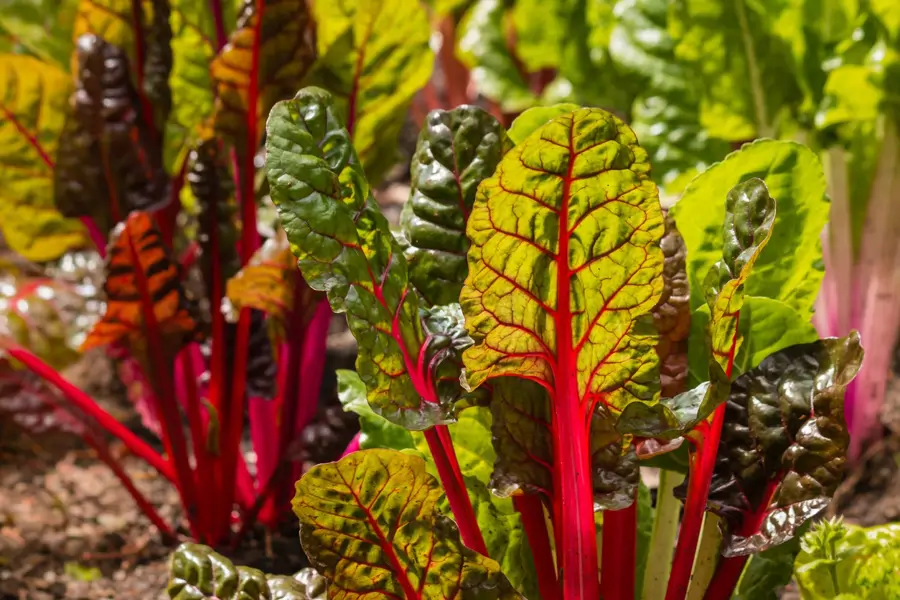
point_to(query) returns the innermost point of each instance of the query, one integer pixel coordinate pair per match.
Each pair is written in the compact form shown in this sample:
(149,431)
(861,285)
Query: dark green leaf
(456,151)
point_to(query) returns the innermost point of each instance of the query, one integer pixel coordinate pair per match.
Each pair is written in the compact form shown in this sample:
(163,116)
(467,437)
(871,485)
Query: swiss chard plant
(138,127)
(573,291)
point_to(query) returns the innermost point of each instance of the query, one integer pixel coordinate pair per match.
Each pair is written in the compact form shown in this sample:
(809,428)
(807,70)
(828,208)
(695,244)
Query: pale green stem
(707,557)
(662,538)
(763,127)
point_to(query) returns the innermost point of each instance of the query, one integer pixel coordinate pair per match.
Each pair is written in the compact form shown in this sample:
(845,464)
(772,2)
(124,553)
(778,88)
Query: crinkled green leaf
(374,58)
(110,160)
(782,453)
(264,61)
(457,150)
(672,314)
(838,560)
(33,104)
(198,573)
(370,524)
(345,247)
(533,118)
(482,46)
(791,269)
(749,218)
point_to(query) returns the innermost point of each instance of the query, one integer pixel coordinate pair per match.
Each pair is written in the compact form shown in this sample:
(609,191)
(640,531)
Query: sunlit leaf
(41,27)
(345,248)
(33,98)
(265,60)
(370,524)
(457,150)
(531,119)
(198,573)
(109,159)
(374,57)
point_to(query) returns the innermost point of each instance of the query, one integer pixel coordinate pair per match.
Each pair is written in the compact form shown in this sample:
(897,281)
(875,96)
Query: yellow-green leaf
(374,58)
(33,100)
(369,523)
(265,60)
(110,20)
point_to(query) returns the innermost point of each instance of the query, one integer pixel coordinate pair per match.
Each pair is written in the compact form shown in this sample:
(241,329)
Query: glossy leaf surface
(32,113)
(374,57)
(345,248)
(198,573)
(109,161)
(750,215)
(457,150)
(782,451)
(265,60)
(136,253)
(791,269)
(370,524)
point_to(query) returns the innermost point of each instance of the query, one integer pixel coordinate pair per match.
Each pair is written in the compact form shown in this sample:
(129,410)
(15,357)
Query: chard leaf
(743,77)
(375,430)
(158,62)
(264,61)
(198,573)
(749,218)
(782,452)
(266,284)
(109,159)
(194,47)
(482,47)
(534,117)
(345,248)
(564,269)
(768,572)
(110,20)
(33,107)
(42,27)
(375,57)
(369,523)
(672,314)
(791,270)
(140,275)
(457,150)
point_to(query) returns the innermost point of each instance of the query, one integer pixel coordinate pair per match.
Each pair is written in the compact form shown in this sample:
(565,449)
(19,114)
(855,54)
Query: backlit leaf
(193,46)
(750,215)
(782,452)
(110,20)
(533,118)
(370,524)
(265,60)
(791,269)
(139,270)
(198,573)
(33,98)
(345,248)
(109,160)
(374,58)
(42,27)
(457,150)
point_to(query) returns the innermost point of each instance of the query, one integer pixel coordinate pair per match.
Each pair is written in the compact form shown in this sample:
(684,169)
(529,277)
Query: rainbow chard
(574,205)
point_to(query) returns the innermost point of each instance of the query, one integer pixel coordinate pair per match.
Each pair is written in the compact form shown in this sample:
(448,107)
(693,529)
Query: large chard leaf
(457,150)
(749,218)
(741,68)
(109,159)
(345,248)
(198,573)
(791,270)
(137,261)
(42,27)
(370,524)
(782,451)
(33,108)
(265,60)
(375,57)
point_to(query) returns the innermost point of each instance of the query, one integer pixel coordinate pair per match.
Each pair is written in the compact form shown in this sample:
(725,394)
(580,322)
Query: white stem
(662,538)
(707,557)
